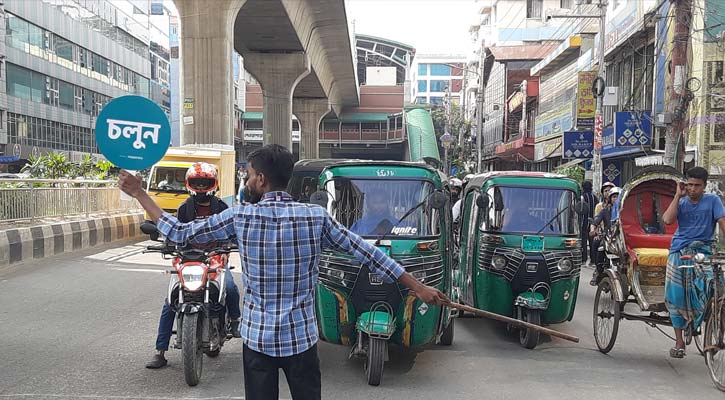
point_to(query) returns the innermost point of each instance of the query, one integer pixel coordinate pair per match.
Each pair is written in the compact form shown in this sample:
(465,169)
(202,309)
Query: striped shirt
(280,242)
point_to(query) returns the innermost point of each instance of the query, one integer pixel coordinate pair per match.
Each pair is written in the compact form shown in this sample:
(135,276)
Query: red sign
(598,128)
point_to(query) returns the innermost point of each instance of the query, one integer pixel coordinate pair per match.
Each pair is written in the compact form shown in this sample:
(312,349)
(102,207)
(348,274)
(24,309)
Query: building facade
(62,61)
(436,76)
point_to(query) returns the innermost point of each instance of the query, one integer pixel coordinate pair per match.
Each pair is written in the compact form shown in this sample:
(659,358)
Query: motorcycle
(197,295)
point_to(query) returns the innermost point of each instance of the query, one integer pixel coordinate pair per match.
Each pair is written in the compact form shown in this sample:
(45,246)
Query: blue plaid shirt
(280,242)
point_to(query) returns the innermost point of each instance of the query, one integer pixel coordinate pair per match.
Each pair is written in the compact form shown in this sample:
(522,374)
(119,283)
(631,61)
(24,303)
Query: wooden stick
(513,321)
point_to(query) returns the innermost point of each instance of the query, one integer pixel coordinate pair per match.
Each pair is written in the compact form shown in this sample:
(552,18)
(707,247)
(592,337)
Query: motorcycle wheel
(192,353)
(529,338)
(217,331)
(374,361)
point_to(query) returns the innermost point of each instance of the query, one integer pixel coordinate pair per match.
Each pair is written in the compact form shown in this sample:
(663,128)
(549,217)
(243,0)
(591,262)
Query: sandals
(677,353)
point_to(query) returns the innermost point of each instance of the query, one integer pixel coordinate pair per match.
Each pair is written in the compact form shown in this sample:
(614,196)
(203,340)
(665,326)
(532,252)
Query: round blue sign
(133,132)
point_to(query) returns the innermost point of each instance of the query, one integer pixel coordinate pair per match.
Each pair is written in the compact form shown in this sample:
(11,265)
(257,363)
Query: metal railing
(30,199)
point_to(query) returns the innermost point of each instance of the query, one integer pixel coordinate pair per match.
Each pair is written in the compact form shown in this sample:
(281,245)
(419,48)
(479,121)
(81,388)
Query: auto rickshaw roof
(480,179)
(388,163)
(316,164)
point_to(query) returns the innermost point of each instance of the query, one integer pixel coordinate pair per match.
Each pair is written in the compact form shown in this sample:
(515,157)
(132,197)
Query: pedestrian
(696,214)
(280,244)
(591,200)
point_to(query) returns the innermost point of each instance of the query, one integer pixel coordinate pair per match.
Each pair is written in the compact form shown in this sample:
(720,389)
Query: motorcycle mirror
(438,200)
(149,228)
(320,197)
(581,208)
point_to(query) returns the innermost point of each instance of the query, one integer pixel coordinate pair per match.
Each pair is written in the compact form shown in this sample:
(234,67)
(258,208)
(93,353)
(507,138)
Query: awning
(9,159)
(253,116)
(364,117)
(571,163)
(517,150)
(560,54)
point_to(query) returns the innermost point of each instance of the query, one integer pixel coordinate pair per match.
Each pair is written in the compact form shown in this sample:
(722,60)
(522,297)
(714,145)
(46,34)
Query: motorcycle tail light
(192,277)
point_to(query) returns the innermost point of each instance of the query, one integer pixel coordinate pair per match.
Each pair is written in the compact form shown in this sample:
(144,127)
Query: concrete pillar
(278,74)
(309,112)
(206,40)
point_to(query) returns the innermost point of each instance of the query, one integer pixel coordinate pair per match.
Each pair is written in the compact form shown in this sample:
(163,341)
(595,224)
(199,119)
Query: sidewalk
(24,241)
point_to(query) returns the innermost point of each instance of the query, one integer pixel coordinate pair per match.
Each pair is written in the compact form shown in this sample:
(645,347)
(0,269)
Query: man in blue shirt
(377,219)
(280,243)
(696,213)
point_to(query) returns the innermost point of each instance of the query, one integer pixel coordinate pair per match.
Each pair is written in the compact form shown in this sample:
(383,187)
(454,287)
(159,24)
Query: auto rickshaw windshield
(373,208)
(168,179)
(530,210)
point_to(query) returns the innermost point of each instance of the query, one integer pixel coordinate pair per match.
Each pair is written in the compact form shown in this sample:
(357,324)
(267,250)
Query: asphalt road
(82,326)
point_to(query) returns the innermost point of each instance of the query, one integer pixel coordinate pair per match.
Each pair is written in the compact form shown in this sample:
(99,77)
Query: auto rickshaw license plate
(374,279)
(532,243)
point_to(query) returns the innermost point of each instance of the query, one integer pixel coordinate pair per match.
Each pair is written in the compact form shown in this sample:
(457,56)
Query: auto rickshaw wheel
(447,336)
(529,338)
(606,316)
(375,361)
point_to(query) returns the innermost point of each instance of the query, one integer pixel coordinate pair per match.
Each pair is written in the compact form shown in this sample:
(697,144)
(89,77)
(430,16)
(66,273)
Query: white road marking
(96,396)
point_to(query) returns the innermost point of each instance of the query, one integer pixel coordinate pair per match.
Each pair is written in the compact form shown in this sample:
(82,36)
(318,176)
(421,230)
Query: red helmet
(202,178)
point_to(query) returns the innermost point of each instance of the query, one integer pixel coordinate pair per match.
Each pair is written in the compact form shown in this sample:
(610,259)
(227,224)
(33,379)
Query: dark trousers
(588,250)
(261,375)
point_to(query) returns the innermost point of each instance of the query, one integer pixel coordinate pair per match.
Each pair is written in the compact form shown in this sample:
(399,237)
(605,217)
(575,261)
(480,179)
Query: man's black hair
(275,162)
(587,186)
(697,173)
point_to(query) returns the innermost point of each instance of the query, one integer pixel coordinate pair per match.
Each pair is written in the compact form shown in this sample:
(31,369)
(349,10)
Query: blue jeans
(166,321)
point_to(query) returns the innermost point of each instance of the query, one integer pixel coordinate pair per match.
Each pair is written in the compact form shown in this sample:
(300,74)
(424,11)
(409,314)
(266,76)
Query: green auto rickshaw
(520,248)
(404,209)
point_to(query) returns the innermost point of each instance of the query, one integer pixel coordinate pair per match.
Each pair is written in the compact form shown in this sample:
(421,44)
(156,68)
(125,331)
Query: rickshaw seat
(651,257)
(646,237)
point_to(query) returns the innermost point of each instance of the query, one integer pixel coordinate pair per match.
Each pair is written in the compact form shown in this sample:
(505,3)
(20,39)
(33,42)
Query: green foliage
(575,172)
(57,166)
(457,156)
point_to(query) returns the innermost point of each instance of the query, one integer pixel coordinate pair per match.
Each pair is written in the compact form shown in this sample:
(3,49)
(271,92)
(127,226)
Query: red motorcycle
(197,295)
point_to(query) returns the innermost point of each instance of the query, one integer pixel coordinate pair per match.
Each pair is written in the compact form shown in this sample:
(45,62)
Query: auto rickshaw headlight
(565,264)
(499,262)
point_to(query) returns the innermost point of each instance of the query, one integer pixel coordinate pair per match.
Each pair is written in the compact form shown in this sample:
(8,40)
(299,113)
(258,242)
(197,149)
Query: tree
(456,155)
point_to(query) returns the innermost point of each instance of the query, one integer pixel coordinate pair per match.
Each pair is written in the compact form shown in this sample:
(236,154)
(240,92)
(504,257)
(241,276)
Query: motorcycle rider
(202,183)
(603,219)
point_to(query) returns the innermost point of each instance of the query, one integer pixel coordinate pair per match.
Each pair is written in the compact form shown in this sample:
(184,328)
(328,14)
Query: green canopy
(422,141)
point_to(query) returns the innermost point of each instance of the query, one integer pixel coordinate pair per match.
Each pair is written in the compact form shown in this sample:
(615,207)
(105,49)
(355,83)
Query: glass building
(63,60)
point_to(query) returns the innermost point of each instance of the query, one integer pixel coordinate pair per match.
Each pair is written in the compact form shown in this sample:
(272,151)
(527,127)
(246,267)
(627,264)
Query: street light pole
(598,118)
(479,108)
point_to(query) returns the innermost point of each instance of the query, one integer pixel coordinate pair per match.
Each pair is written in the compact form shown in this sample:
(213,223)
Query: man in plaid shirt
(280,242)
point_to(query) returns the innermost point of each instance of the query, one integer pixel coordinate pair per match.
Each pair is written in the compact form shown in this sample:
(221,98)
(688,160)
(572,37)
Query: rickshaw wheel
(715,358)
(606,319)
(374,361)
(529,338)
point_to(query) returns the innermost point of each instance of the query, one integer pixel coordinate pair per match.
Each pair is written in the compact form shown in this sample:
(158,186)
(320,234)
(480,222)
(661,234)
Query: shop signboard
(633,128)
(585,102)
(578,144)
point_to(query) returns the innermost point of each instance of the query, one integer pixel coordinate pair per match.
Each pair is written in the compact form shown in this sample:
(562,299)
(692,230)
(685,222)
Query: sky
(430,26)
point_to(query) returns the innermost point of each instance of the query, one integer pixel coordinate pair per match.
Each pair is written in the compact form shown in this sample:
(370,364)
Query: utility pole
(677,105)
(462,112)
(479,107)
(599,90)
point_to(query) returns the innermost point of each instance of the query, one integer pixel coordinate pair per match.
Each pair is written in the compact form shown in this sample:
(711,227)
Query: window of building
(37,87)
(66,95)
(440,70)
(436,101)
(253,125)
(18,81)
(534,8)
(16,31)
(64,48)
(421,100)
(36,36)
(422,69)
(438,86)
(422,86)
(567,4)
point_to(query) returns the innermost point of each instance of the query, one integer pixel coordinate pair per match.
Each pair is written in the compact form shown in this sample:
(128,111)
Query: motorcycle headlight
(499,262)
(565,264)
(193,276)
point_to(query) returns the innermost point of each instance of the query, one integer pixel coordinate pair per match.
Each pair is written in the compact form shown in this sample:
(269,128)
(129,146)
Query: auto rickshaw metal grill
(514,258)
(341,272)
